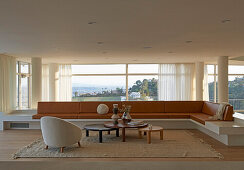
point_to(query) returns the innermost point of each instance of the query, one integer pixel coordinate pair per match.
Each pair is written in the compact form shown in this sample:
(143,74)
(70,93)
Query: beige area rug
(176,144)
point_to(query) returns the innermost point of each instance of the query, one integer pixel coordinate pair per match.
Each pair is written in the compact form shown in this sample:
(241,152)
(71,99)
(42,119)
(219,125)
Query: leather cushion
(138,116)
(145,106)
(91,106)
(200,117)
(62,116)
(160,115)
(183,106)
(94,116)
(58,107)
(210,108)
(228,115)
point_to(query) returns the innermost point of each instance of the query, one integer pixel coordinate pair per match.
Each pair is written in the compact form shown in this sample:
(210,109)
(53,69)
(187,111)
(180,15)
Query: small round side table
(149,131)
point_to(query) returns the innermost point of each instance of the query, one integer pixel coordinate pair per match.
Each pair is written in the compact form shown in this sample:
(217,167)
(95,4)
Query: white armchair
(59,133)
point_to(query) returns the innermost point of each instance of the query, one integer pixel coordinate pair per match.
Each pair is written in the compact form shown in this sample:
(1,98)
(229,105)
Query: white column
(36,81)
(199,80)
(53,81)
(223,79)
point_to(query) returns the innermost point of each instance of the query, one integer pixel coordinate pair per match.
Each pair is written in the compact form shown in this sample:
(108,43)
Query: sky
(115,81)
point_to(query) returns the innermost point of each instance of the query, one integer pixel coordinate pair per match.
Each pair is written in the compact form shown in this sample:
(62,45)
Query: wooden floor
(12,140)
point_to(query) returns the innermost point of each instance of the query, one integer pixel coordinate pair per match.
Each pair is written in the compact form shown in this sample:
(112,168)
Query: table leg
(161,134)
(117,132)
(109,132)
(123,134)
(140,134)
(149,137)
(100,136)
(87,132)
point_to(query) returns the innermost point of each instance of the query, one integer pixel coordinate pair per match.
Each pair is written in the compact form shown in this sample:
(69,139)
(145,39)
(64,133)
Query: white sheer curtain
(45,82)
(176,81)
(7,83)
(205,84)
(65,82)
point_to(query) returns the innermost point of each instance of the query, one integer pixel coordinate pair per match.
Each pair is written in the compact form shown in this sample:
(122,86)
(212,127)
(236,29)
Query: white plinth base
(229,133)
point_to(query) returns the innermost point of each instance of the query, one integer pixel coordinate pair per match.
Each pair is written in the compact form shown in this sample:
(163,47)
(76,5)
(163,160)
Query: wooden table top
(121,124)
(97,127)
(154,128)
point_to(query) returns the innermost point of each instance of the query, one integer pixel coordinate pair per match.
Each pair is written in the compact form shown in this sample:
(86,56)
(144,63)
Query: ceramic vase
(126,117)
(115,117)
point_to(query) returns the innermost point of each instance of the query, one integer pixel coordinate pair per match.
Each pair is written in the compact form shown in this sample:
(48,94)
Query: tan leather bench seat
(62,115)
(160,115)
(94,116)
(200,117)
(196,110)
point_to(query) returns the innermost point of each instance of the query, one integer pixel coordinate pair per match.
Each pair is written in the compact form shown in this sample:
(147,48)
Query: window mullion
(215,84)
(127,84)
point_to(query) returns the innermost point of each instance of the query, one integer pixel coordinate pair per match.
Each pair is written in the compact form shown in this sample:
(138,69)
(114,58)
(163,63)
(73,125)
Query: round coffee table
(122,125)
(149,131)
(100,128)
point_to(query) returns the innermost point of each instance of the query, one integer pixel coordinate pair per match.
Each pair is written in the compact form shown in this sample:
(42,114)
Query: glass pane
(17,90)
(236,69)
(24,67)
(143,68)
(210,69)
(211,88)
(99,69)
(236,92)
(98,88)
(143,88)
(24,92)
(17,67)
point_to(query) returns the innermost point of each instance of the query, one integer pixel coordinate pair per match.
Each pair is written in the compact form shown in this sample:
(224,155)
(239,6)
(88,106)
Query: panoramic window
(109,82)
(23,84)
(236,85)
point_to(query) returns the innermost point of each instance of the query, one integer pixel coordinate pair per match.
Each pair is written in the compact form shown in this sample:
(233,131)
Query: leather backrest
(228,115)
(145,106)
(58,107)
(210,108)
(91,106)
(183,106)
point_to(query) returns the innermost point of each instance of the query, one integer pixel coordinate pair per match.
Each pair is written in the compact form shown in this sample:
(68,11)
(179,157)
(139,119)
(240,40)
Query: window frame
(215,74)
(126,74)
(18,84)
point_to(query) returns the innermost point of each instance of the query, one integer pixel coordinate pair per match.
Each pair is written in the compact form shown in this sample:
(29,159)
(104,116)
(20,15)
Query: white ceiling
(58,30)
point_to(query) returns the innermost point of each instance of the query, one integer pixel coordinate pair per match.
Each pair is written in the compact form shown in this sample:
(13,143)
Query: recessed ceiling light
(92,22)
(99,42)
(225,20)
(189,41)
(147,47)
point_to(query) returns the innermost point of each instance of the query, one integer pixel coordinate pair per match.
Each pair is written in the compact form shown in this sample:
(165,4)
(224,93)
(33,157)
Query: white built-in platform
(229,133)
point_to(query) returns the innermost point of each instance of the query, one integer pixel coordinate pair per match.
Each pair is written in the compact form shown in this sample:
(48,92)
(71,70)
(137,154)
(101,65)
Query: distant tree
(146,87)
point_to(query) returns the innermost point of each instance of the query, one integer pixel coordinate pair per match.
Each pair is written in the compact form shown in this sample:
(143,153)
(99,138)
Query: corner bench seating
(199,111)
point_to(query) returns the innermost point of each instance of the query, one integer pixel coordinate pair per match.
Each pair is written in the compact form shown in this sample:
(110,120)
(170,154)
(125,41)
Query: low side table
(100,128)
(149,131)
(123,126)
